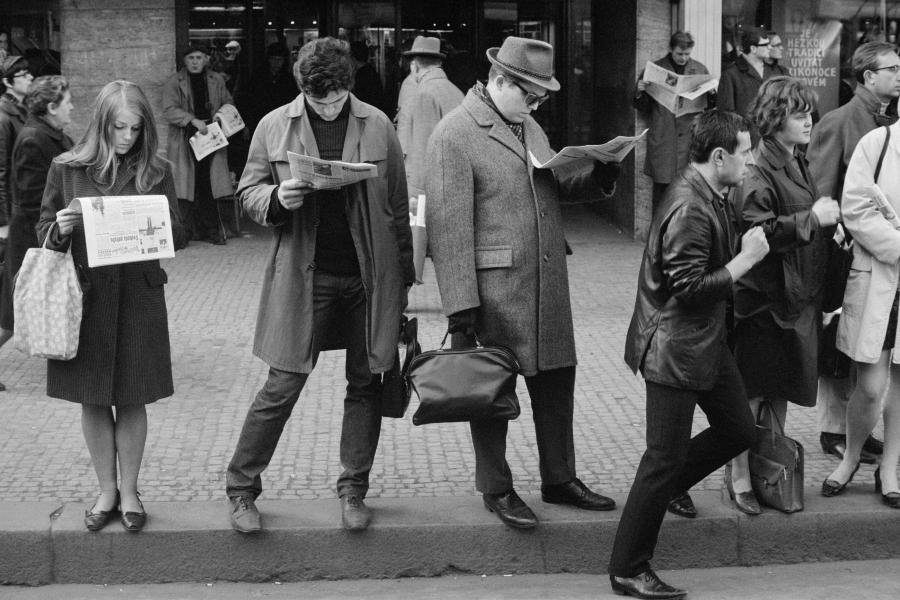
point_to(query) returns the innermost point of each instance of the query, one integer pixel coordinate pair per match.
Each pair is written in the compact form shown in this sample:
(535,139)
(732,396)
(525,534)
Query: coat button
(547,257)
(311,266)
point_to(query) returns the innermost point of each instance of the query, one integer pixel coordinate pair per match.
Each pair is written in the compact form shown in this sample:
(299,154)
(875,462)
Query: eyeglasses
(531,97)
(892,69)
(22,73)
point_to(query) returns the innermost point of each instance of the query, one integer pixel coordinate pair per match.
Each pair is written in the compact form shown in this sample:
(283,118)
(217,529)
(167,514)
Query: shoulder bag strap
(887,139)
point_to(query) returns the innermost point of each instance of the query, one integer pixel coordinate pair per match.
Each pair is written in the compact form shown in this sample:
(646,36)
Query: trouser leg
(362,406)
(261,431)
(552,403)
(209,224)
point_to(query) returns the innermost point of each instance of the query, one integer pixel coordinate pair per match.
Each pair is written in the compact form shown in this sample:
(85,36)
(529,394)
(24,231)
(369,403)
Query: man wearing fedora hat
(496,234)
(433,98)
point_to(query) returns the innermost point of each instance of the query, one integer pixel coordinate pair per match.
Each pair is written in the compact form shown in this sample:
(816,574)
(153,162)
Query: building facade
(601,46)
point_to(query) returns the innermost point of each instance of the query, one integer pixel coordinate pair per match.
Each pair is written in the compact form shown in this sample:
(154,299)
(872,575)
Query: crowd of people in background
(750,199)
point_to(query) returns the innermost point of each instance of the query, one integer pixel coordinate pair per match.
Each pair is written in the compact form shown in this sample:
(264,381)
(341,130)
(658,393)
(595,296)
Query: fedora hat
(426,46)
(528,60)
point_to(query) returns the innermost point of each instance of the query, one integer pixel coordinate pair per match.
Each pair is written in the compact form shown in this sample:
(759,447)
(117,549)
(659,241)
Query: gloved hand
(606,175)
(462,322)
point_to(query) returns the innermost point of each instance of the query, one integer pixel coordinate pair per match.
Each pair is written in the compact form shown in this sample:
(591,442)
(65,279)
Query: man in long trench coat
(337,276)
(496,235)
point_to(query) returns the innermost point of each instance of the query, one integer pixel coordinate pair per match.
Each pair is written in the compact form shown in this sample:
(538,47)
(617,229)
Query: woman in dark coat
(41,139)
(777,305)
(123,359)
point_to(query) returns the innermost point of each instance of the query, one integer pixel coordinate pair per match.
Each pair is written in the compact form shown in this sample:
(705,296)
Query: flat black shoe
(833,443)
(830,487)
(134,521)
(95,521)
(576,494)
(511,509)
(683,506)
(645,585)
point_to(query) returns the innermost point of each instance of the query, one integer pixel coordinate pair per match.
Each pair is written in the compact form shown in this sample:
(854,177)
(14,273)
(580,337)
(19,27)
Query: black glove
(606,175)
(462,322)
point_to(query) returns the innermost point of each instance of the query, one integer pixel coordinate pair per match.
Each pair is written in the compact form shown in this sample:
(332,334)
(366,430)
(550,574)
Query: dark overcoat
(123,351)
(12,118)
(35,148)
(669,138)
(777,303)
(378,214)
(496,234)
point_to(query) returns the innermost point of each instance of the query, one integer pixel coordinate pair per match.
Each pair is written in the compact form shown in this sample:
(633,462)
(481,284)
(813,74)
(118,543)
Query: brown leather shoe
(511,509)
(355,515)
(646,585)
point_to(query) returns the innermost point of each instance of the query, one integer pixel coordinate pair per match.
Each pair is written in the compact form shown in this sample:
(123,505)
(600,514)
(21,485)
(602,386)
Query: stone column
(127,39)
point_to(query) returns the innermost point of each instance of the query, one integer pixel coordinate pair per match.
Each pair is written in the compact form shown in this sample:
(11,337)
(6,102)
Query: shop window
(32,30)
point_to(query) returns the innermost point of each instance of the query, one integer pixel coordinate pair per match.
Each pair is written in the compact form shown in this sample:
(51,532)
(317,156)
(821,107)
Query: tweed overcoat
(669,138)
(433,98)
(872,283)
(178,111)
(496,234)
(35,148)
(378,214)
(123,351)
(834,138)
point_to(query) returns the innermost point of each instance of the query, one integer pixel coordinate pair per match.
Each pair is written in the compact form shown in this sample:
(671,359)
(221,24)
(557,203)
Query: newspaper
(577,158)
(884,205)
(124,229)
(679,94)
(229,119)
(204,145)
(328,174)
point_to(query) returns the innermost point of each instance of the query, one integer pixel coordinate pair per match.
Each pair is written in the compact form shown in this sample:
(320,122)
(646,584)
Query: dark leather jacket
(678,329)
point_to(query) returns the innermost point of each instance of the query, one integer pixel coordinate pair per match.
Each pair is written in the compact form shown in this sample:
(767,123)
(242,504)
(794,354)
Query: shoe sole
(621,591)
(582,507)
(511,523)
(249,530)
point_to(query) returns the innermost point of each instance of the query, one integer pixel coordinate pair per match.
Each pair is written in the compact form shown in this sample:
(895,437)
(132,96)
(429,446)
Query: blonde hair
(96,152)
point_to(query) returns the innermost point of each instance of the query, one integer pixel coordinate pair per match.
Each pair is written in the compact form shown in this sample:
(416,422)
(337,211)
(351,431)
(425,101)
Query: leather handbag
(47,304)
(395,390)
(469,384)
(776,464)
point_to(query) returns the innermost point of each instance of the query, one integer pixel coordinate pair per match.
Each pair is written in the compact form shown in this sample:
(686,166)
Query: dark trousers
(552,401)
(674,462)
(206,220)
(338,302)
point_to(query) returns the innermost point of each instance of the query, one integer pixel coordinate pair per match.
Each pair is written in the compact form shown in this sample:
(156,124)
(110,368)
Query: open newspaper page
(124,229)
(229,119)
(205,144)
(574,159)
(328,174)
(679,94)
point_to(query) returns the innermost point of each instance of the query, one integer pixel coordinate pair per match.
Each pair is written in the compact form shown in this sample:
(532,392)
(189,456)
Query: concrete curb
(43,543)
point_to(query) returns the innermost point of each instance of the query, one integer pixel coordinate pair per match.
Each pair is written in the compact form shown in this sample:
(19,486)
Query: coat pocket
(157,278)
(493,257)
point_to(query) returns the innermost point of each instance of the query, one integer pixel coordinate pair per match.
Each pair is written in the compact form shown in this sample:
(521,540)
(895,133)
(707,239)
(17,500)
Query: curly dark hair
(324,65)
(45,90)
(715,128)
(777,99)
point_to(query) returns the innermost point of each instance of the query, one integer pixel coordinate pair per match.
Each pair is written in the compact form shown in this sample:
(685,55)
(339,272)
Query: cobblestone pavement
(212,297)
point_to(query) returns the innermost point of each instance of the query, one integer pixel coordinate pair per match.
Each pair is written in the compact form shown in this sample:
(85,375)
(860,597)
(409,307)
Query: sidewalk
(212,298)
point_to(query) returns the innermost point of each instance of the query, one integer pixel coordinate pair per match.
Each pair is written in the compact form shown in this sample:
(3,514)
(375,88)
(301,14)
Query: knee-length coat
(872,283)
(123,351)
(496,234)
(178,111)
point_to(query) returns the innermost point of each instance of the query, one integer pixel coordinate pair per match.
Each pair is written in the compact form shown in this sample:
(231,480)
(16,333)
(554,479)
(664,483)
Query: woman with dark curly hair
(777,305)
(41,139)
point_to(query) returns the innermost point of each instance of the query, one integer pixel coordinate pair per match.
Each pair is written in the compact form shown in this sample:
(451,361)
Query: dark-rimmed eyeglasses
(531,97)
(893,69)
(22,73)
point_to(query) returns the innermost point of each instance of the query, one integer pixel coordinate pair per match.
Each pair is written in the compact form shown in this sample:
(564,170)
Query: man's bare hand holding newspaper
(291,193)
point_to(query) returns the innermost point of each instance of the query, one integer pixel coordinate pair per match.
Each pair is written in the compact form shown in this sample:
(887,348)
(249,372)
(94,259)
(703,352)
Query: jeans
(674,462)
(338,301)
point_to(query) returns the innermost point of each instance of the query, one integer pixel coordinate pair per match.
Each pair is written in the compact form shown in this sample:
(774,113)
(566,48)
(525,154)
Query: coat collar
(744,67)
(44,126)
(487,117)
(700,184)
(431,74)
(868,100)
(14,109)
(359,112)
(778,158)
